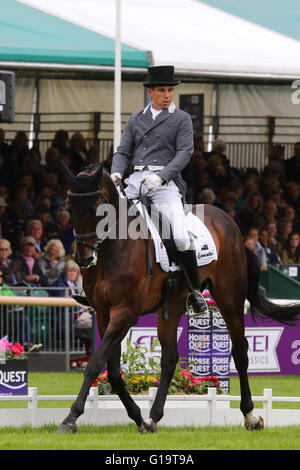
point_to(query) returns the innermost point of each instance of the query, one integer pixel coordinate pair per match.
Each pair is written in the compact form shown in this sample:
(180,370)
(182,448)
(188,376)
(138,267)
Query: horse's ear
(96,177)
(70,178)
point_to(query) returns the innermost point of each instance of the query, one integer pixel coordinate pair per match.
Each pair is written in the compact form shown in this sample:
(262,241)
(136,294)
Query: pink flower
(4,344)
(185,373)
(195,381)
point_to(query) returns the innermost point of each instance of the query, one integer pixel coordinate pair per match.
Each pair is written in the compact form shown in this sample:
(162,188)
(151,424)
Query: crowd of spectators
(264,204)
(36,232)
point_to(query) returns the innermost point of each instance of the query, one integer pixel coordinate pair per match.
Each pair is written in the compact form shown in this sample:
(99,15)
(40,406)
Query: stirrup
(189,307)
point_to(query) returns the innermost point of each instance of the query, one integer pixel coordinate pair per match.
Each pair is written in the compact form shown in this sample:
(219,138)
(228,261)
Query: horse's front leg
(119,387)
(118,327)
(167,334)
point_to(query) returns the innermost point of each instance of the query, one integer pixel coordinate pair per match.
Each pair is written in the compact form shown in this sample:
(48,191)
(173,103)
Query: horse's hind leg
(119,387)
(230,300)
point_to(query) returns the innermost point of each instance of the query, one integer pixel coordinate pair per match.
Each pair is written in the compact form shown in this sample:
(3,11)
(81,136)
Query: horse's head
(84,196)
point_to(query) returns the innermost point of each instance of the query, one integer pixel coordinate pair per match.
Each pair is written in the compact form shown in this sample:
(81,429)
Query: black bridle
(81,238)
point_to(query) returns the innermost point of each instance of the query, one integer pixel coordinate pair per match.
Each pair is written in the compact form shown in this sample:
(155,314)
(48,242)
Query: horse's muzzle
(86,263)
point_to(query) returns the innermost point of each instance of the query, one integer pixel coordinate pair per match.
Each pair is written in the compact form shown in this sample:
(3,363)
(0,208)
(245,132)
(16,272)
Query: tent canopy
(31,35)
(199,39)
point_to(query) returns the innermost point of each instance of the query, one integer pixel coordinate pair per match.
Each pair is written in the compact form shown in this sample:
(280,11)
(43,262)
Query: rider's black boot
(195,300)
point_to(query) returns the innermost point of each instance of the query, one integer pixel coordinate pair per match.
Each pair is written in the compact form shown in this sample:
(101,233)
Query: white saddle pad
(203,241)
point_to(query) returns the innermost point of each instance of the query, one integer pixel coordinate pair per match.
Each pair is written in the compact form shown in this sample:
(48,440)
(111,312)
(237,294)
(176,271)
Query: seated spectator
(8,220)
(254,234)
(43,214)
(70,279)
(269,213)
(19,148)
(269,186)
(11,268)
(292,195)
(274,242)
(284,228)
(35,229)
(93,155)
(251,211)
(272,257)
(218,172)
(237,187)
(52,159)
(22,206)
(292,165)
(289,213)
(291,253)
(51,265)
(29,263)
(78,152)
(250,243)
(61,142)
(218,148)
(207,196)
(64,229)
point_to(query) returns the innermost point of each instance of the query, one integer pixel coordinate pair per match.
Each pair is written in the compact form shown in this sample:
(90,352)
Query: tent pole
(117,84)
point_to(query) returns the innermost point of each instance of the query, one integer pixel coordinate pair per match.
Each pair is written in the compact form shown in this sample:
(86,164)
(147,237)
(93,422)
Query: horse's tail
(259,304)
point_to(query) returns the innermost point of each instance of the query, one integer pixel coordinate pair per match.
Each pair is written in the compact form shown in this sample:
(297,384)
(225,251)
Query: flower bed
(140,374)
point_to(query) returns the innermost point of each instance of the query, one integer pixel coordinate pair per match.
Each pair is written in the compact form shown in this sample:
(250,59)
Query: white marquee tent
(205,43)
(195,37)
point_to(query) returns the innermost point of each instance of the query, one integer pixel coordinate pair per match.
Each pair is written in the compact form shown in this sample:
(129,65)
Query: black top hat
(162,75)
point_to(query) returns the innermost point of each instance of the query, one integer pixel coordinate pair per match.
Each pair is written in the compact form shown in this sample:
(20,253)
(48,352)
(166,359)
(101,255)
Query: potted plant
(13,368)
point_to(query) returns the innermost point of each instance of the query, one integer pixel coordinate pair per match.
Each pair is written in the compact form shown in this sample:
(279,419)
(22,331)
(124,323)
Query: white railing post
(267,402)
(32,404)
(152,394)
(94,403)
(212,404)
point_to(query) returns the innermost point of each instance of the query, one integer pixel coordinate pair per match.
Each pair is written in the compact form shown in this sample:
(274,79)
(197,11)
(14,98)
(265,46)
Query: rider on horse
(157,144)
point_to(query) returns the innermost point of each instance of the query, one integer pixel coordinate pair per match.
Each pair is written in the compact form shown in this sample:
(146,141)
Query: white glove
(116,177)
(152,182)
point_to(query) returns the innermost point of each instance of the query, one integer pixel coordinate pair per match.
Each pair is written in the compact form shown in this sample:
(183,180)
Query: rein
(81,238)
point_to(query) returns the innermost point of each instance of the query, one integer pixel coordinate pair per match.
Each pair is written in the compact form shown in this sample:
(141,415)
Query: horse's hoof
(253,422)
(69,428)
(148,426)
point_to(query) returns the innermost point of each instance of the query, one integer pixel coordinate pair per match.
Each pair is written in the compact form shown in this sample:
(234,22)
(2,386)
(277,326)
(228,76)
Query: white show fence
(180,410)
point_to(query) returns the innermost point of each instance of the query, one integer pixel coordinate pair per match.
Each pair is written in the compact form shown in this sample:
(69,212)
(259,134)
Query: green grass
(127,438)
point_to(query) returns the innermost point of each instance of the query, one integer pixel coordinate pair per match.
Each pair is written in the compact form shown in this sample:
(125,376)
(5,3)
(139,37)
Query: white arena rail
(180,410)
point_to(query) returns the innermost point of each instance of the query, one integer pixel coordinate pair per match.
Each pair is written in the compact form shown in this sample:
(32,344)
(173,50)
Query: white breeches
(168,200)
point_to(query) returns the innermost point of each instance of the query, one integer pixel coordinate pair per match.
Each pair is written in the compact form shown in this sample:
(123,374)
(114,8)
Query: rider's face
(162,96)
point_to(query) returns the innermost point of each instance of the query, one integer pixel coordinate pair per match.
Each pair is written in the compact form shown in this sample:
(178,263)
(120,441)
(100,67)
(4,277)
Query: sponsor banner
(273,348)
(14,377)
(209,347)
(145,331)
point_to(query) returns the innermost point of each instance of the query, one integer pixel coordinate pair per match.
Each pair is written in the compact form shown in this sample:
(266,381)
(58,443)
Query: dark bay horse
(120,289)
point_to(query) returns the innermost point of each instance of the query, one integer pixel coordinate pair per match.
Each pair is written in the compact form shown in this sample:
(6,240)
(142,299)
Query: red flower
(17,349)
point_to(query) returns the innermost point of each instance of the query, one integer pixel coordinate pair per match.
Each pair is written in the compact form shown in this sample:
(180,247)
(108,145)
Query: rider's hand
(116,177)
(152,182)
